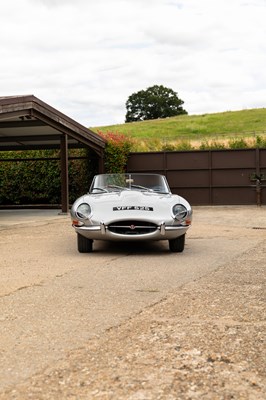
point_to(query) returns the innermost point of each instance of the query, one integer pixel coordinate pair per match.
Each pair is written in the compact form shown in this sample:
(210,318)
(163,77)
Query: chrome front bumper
(101,232)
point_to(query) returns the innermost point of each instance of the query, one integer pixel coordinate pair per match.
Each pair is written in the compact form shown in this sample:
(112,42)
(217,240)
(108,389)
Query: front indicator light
(187,222)
(77,223)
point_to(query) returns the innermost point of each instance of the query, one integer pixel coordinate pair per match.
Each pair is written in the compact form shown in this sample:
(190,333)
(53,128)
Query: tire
(177,245)
(84,244)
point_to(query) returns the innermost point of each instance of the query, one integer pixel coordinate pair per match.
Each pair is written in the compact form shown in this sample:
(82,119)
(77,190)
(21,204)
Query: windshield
(118,182)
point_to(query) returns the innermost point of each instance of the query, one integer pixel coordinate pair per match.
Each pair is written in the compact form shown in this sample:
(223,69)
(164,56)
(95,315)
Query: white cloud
(85,57)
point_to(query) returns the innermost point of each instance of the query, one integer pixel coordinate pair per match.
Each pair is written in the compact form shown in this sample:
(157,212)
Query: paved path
(55,301)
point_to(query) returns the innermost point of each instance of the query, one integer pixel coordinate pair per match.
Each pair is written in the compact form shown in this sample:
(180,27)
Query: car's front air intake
(132,227)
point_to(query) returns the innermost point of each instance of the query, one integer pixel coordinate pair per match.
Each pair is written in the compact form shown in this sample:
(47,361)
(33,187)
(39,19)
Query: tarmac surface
(133,322)
(20,217)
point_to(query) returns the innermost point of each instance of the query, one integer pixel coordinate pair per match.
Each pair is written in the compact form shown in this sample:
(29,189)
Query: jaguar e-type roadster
(130,207)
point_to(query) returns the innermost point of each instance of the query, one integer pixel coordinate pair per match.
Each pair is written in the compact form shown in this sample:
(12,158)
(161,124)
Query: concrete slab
(10,218)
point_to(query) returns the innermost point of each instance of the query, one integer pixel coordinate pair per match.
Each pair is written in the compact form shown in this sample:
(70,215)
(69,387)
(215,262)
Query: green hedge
(38,181)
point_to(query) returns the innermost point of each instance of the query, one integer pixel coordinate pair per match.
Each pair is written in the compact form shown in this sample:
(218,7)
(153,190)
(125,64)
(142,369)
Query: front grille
(132,227)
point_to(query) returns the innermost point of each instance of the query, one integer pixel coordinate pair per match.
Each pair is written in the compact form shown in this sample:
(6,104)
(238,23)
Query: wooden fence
(209,177)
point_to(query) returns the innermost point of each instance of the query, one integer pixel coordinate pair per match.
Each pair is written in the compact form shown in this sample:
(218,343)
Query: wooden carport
(27,123)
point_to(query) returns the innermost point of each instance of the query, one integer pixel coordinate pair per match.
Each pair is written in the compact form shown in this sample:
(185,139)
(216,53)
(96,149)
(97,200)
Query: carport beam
(64,174)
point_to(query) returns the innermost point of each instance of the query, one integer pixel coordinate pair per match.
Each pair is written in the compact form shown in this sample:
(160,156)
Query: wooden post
(64,174)
(101,168)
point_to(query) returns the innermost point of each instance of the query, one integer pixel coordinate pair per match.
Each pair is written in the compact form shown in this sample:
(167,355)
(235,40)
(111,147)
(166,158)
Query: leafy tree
(155,102)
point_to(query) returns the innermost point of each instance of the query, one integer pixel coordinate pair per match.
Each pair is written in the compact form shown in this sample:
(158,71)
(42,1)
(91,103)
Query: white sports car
(127,207)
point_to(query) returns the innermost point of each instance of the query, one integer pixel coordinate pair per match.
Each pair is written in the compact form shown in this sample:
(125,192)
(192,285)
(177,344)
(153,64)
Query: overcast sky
(86,57)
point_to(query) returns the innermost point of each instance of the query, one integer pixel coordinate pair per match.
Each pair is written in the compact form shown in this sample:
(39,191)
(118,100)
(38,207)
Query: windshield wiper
(117,187)
(142,187)
(149,189)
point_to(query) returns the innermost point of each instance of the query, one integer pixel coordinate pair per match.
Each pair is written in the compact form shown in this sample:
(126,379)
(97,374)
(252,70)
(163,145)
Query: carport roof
(27,123)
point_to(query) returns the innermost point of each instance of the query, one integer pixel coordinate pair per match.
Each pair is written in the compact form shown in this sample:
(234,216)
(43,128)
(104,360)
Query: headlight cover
(83,211)
(179,211)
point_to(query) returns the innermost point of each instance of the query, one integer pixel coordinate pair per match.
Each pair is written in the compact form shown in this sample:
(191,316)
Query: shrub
(238,144)
(81,171)
(116,152)
(260,142)
(184,145)
(213,145)
(169,147)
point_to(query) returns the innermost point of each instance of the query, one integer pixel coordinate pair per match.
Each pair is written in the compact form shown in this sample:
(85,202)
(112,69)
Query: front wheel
(84,244)
(177,245)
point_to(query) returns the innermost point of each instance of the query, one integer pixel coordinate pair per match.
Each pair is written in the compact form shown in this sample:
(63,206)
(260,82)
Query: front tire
(84,244)
(177,245)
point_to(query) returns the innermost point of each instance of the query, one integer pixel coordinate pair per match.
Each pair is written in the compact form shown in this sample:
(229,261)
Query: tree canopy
(155,102)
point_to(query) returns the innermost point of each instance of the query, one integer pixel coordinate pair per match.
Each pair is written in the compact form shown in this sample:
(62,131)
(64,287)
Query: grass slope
(245,122)
(231,129)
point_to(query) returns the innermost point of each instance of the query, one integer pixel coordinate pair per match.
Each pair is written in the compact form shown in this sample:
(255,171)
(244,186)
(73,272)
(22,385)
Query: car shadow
(123,247)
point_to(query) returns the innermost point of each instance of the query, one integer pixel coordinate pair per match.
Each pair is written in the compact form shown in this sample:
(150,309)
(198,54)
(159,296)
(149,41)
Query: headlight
(83,211)
(179,211)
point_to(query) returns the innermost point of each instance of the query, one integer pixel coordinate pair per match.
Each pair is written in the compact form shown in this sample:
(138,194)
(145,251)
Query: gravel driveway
(133,321)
